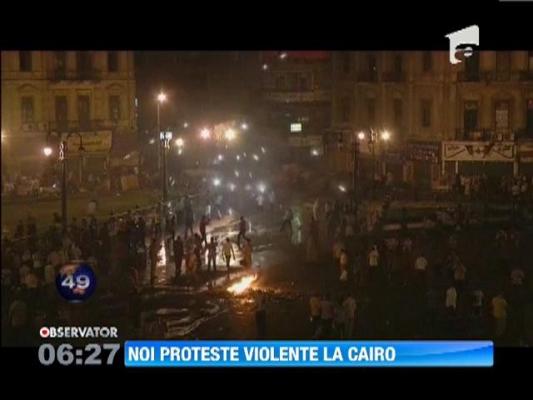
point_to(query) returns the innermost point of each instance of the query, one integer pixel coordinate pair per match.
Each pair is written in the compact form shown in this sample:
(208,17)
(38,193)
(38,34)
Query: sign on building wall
(300,140)
(93,142)
(478,151)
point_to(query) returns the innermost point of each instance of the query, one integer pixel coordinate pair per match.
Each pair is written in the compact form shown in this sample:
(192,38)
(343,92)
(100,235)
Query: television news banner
(77,282)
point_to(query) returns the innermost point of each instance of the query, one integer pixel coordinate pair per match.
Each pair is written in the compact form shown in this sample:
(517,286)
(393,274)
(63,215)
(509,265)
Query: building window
(398,112)
(304,82)
(61,113)
(61,65)
(25,61)
(114,108)
(529,118)
(501,117)
(84,64)
(470,116)
(26,108)
(112,61)
(371,110)
(372,64)
(84,112)
(426,113)
(346,62)
(281,82)
(346,109)
(398,64)
(427,61)
(503,65)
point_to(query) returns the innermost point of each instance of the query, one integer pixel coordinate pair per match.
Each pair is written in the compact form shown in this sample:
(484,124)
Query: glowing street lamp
(185,124)
(265,67)
(342,188)
(205,134)
(261,187)
(256,157)
(385,135)
(47,151)
(161,97)
(244,126)
(230,134)
(216,182)
(180,142)
(283,56)
(361,136)
(220,157)
(231,186)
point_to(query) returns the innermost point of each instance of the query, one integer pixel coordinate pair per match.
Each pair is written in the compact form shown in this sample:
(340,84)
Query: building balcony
(78,126)
(297,96)
(393,77)
(59,75)
(486,135)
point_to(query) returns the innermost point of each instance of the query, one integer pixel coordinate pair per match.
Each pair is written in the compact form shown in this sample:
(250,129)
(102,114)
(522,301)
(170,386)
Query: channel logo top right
(468,37)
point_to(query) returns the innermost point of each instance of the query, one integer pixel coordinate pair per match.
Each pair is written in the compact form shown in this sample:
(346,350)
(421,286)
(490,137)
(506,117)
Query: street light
(230,134)
(361,136)
(216,182)
(47,151)
(385,135)
(185,124)
(244,126)
(205,133)
(161,98)
(63,149)
(179,142)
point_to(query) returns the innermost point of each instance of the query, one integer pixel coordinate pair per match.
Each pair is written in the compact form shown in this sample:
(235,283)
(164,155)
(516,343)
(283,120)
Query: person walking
(227,251)
(326,316)
(350,306)
(287,221)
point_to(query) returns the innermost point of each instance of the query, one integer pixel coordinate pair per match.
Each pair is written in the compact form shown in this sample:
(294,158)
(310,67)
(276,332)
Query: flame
(243,285)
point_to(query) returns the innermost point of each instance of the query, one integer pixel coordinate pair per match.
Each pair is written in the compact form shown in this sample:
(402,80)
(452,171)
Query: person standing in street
(350,307)
(212,254)
(373,263)
(499,314)
(203,227)
(227,251)
(260,316)
(155,247)
(326,316)
(247,253)
(242,231)
(178,256)
(314,309)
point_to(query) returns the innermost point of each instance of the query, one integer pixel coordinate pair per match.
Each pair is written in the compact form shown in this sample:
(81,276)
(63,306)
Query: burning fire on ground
(242,285)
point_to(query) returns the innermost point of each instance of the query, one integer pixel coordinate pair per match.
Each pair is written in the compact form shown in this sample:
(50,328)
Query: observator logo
(80,332)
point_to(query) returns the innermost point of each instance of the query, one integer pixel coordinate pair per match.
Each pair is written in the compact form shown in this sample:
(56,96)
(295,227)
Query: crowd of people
(120,248)
(448,281)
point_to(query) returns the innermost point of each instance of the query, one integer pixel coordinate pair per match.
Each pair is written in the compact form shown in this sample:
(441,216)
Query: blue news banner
(308,354)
